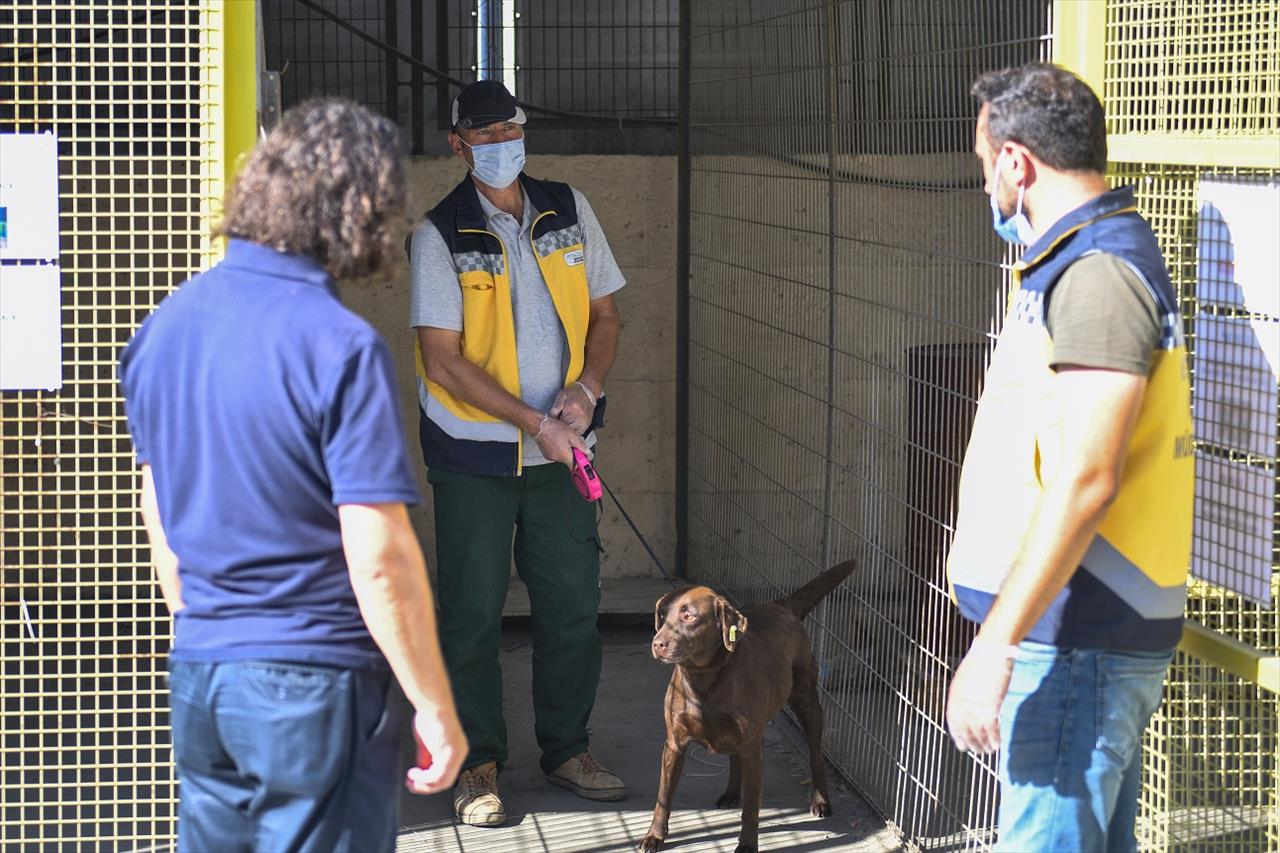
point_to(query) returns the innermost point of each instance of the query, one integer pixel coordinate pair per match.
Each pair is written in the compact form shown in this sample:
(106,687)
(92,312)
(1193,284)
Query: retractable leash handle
(585,477)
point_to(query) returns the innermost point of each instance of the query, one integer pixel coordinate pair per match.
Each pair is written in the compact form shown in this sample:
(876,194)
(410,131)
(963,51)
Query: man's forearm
(170,585)
(396,604)
(601,350)
(470,383)
(163,560)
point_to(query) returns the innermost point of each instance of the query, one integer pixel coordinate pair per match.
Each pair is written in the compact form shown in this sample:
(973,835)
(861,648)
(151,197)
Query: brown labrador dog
(733,672)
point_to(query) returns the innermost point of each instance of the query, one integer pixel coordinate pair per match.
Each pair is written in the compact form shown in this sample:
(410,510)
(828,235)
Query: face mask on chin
(497,164)
(1017,228)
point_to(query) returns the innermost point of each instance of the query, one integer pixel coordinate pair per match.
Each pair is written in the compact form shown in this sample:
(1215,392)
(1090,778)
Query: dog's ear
(732,623)
(660,610)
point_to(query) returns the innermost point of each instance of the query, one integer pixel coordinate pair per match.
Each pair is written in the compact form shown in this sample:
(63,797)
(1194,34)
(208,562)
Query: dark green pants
(558,558)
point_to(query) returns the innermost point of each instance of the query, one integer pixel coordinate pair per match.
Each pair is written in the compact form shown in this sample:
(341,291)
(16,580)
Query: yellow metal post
(240,103)
(229,106)
(1080,39)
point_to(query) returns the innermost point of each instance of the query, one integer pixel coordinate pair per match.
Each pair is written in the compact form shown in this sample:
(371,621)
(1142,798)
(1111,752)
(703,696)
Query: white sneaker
(475,797)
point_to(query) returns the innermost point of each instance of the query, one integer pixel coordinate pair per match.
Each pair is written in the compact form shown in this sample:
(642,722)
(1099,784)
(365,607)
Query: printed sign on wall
(30,304)
(28,197)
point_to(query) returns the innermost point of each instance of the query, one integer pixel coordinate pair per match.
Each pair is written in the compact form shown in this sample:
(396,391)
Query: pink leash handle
(585,477)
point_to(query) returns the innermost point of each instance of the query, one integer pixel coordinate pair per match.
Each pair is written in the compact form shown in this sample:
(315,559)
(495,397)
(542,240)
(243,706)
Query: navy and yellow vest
(1130,589)
(488,324)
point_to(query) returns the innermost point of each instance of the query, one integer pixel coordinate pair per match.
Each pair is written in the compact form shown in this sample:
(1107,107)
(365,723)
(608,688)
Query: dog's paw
(819,805)
(746,848)
(728,801)
(650,843)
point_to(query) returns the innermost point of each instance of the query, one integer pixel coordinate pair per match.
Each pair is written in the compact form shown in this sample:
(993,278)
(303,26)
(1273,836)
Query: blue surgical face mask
(1017,228)
(498,164)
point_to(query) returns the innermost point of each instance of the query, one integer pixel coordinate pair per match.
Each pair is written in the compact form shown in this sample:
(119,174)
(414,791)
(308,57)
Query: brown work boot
(475,798)
(583,775)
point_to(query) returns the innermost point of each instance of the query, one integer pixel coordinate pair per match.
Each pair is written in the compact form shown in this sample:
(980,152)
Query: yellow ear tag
(733,633)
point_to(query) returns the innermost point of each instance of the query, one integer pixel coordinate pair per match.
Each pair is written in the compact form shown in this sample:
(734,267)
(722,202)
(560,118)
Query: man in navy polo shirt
(274,484)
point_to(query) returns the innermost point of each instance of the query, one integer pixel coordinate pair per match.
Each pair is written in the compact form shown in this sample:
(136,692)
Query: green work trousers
(557,556)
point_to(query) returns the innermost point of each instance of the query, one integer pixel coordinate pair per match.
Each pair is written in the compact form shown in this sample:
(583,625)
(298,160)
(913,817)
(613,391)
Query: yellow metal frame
(240,101)
(1231,655)
(229,73)
(1245,152)
(1080,44)
(1191,88)
(84,714)
(1080,39)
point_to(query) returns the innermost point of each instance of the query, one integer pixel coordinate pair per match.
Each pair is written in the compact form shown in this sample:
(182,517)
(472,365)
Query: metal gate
(137,94)
(843,289)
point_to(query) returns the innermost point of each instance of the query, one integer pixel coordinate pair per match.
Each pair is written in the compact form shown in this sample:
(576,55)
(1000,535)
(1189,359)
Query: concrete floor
(627,735)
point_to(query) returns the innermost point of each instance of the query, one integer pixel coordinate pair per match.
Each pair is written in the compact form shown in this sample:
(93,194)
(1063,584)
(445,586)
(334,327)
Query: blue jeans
(1070,747)
(276,756)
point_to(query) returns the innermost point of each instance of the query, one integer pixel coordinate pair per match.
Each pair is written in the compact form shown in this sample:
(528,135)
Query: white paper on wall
(28,196)
(1236,389)
(30,327)
(1239,243)
(1237,374)
(1233,527)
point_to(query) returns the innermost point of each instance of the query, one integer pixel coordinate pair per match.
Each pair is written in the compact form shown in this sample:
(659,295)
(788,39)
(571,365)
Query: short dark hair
(1049,110)
(327,182)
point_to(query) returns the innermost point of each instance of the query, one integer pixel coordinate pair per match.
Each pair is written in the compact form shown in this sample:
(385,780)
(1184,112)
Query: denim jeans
(276,756)
(1071,741)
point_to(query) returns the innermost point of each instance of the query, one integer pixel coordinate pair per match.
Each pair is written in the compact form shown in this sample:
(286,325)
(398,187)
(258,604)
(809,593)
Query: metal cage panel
(134,92)
(844,289)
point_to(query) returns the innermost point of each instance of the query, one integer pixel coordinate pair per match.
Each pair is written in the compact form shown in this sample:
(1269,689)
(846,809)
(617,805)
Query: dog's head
(693,625)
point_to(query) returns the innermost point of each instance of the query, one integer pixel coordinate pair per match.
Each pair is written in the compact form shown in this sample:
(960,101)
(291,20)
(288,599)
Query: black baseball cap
(485,102)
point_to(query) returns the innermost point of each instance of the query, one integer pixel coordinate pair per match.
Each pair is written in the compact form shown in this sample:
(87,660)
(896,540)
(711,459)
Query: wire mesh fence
(608,59)
(843,283)
(128,89)
(1177,67)
(1212,71)
(844,290)
(374,52)
(586,61)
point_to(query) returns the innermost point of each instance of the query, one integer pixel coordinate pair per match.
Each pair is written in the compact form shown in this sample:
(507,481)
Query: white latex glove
(556,439)
(977,689)
(574,405)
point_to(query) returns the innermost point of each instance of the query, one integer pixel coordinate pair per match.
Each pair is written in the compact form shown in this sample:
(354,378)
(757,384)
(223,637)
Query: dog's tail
(807,597)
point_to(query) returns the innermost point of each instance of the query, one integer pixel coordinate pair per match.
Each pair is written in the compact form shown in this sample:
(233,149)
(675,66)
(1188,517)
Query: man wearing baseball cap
(512,283)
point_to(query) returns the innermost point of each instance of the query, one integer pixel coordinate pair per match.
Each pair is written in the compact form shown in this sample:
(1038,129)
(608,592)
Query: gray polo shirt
(435,300)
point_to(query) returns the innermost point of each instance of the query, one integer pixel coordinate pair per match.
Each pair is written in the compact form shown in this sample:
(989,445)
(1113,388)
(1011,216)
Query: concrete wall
(635,199)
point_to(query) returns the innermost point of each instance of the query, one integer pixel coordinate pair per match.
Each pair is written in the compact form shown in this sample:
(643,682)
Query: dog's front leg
(672,765)
(732,796)
(752,762)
